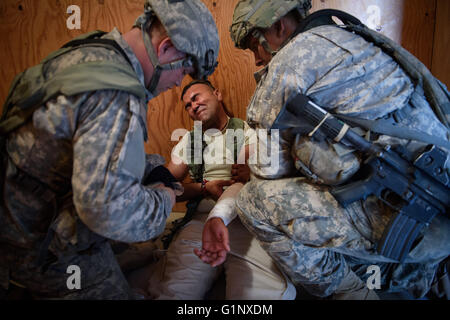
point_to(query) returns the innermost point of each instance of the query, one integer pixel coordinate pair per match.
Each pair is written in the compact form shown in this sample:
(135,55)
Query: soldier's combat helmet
(251,15)
(192,30)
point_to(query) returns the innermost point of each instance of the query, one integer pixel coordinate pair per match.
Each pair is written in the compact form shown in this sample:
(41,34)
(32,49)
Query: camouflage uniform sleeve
(152,161)
(316,160)
(109,164)
(324,161)
(341,72)
(271,159)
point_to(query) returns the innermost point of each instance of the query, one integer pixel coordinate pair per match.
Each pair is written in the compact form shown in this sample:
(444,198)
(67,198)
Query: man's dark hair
(200,81)
(209,84)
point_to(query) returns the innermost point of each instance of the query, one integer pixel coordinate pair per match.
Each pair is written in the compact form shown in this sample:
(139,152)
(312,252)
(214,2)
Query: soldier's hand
(240,173)
(215,187)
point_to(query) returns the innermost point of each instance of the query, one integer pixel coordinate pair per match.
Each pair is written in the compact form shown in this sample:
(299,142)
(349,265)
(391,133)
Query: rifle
(418,191)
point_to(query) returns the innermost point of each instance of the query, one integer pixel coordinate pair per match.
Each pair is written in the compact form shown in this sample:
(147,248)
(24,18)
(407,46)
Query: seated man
(249,272)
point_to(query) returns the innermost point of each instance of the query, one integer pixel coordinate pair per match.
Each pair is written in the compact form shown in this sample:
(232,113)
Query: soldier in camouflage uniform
(75,168)
(323,247)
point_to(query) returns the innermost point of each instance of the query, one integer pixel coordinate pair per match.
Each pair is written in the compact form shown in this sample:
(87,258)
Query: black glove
(160,174)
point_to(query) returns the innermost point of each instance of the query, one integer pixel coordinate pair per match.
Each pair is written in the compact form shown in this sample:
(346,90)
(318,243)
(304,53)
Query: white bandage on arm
(225,206)
(224,210)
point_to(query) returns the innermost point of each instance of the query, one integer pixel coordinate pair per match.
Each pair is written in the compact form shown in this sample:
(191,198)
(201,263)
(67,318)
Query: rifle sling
(385,127)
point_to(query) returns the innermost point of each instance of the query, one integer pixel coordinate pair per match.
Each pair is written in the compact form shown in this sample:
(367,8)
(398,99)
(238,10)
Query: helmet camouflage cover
(251,14)
(191,28)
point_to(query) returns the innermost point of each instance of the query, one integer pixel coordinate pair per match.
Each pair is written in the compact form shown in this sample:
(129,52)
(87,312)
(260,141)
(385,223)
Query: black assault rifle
(418,191)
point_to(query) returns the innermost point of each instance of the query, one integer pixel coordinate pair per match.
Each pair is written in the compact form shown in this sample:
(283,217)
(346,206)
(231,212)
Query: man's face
(262,57)
(202,103)
(172,78)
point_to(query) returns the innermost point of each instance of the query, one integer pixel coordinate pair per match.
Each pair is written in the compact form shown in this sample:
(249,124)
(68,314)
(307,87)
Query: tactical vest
(435,91)
(396,240)
(31,89)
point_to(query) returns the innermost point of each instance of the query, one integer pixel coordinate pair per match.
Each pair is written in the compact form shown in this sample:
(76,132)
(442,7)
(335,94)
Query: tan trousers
(250,274)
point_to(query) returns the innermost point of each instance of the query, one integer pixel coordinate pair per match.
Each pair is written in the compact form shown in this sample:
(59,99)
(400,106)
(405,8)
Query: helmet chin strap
(158,68)
(257,34)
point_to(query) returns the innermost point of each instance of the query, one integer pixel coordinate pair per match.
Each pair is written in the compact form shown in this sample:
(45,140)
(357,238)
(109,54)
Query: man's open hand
(215,243)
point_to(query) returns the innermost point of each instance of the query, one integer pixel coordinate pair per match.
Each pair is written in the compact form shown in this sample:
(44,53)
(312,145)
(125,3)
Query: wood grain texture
(418,29)
(31,29)
(441,44)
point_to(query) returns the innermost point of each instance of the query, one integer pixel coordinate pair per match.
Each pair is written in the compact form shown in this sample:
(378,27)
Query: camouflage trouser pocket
(89,274)
(293,208)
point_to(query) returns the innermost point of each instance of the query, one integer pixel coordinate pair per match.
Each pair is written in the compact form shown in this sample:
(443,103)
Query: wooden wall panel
(419,19)
(390,13)
(408,22)
(441,61)
(30,30)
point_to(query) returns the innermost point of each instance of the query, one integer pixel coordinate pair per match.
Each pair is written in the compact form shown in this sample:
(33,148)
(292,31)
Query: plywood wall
(441,42)
(30,29)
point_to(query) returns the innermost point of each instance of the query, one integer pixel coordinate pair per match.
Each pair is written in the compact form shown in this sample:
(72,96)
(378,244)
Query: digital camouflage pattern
(320,245)
(100,277)
(91,144)
(191,28)
(251,14)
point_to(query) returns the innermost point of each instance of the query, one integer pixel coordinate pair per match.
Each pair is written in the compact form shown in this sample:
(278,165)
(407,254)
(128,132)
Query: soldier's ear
(164,46)
(280,28)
